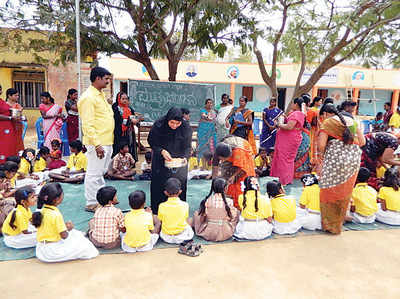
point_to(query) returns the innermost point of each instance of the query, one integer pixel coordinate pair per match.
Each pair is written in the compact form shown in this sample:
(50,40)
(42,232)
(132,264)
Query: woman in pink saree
(288,140)
(52,118)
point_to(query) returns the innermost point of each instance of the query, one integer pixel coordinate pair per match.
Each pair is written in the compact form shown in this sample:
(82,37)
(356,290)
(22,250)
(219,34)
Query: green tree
(322,34)
(140,30)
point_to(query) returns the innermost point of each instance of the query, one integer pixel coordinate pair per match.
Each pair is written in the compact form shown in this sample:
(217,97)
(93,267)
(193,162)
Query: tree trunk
(150,69)
(173,69)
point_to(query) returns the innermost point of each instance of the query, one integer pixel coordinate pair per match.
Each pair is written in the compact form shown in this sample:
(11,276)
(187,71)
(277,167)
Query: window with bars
(29,86)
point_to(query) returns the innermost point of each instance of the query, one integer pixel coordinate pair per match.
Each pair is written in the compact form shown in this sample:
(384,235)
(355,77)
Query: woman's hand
(227,125)
(100,152)
(166,155)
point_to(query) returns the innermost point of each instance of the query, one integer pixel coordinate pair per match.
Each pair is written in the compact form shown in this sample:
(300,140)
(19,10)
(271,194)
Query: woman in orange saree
(339,141)
(241,120)
(237,163)
(313,119)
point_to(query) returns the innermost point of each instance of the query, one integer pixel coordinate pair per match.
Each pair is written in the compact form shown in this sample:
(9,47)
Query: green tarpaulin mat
(73,206)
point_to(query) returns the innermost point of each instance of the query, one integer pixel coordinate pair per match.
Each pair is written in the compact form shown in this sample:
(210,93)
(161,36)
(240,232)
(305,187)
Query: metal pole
(78,56)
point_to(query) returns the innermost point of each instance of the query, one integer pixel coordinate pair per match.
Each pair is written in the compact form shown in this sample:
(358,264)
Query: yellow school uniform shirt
(22,218)
(173,214)
(364,199)
(193,163)
(395,120)
(40,165)
(13,179)
(380,172)
(24,167)
(260,162)
(97,118)
(391,198)
(310,197)
(284,208)
(138,224)
(77,161)
(249,212)
(52,225)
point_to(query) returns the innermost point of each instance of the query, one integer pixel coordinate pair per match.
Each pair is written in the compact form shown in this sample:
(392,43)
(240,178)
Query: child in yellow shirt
(364,199)
(389,197)
(262,162)
(58,241)
(41,159)
(7,191)
(141,229)
(17,230)
(309,213)
(174,215)
(76,167)
(256,218)
(283,209)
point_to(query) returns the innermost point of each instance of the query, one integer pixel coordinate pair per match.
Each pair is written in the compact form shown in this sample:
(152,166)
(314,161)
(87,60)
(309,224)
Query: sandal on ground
(188,249)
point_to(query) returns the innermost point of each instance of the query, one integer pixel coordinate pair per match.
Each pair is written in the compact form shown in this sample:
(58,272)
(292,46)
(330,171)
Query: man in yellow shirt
(394,122)
(98,133)
(364,199)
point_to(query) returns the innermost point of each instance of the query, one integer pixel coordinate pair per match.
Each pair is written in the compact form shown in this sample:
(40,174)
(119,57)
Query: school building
(371,88)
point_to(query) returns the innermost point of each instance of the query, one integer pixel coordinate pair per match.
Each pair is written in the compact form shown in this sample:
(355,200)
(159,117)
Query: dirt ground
(353,265)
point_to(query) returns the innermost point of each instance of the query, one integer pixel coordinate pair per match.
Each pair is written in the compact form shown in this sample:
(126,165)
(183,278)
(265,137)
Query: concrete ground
(353,265)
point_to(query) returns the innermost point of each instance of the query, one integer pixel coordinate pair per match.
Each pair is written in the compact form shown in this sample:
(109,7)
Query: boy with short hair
(108,221)
(174,215)
(364,199)
(122,166)
(142,227)
(262,162)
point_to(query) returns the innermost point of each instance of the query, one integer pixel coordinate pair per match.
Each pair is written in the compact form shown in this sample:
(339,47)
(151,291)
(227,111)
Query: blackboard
(154,98)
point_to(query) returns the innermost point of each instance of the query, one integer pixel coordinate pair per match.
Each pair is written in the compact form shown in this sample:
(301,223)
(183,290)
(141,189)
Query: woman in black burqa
(170,137)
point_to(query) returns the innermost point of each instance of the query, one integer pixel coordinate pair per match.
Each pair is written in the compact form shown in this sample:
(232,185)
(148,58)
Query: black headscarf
(162,136)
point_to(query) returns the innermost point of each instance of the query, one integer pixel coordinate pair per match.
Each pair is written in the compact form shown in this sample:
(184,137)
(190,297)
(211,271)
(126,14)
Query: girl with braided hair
(339,143)
(216,218)
(256,218)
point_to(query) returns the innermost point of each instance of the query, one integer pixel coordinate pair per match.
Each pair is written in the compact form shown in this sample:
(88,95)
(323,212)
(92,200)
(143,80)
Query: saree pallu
(51,126)
(302,160)
(221,128)
(339,173)
(245,132)
(242,158)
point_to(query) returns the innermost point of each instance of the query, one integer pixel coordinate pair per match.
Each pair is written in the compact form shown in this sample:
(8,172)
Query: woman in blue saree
(267,138)
(206,133)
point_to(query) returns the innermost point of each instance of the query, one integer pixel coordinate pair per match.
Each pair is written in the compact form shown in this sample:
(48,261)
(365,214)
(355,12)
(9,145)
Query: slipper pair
(190,248)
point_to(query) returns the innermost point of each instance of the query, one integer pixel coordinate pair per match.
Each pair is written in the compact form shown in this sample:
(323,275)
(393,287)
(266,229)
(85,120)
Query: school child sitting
(256,218)
(201,169)
(262,162)
(174,215)
(364,197)
(56,155)
(389,197)
(284,210)
(193,163)
(216,218)
(141,229)
(58,241)
(122,166)
(25,165)
(7,200)
(309,213)
(16,160)
(108,221)
(17,229)
(146,167)
(380,170)
(76,167)
(41,159)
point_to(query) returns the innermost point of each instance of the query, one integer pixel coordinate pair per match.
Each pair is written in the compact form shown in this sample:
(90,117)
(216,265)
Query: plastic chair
(257,126)
(64,140)
(366,126)
(39,132)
